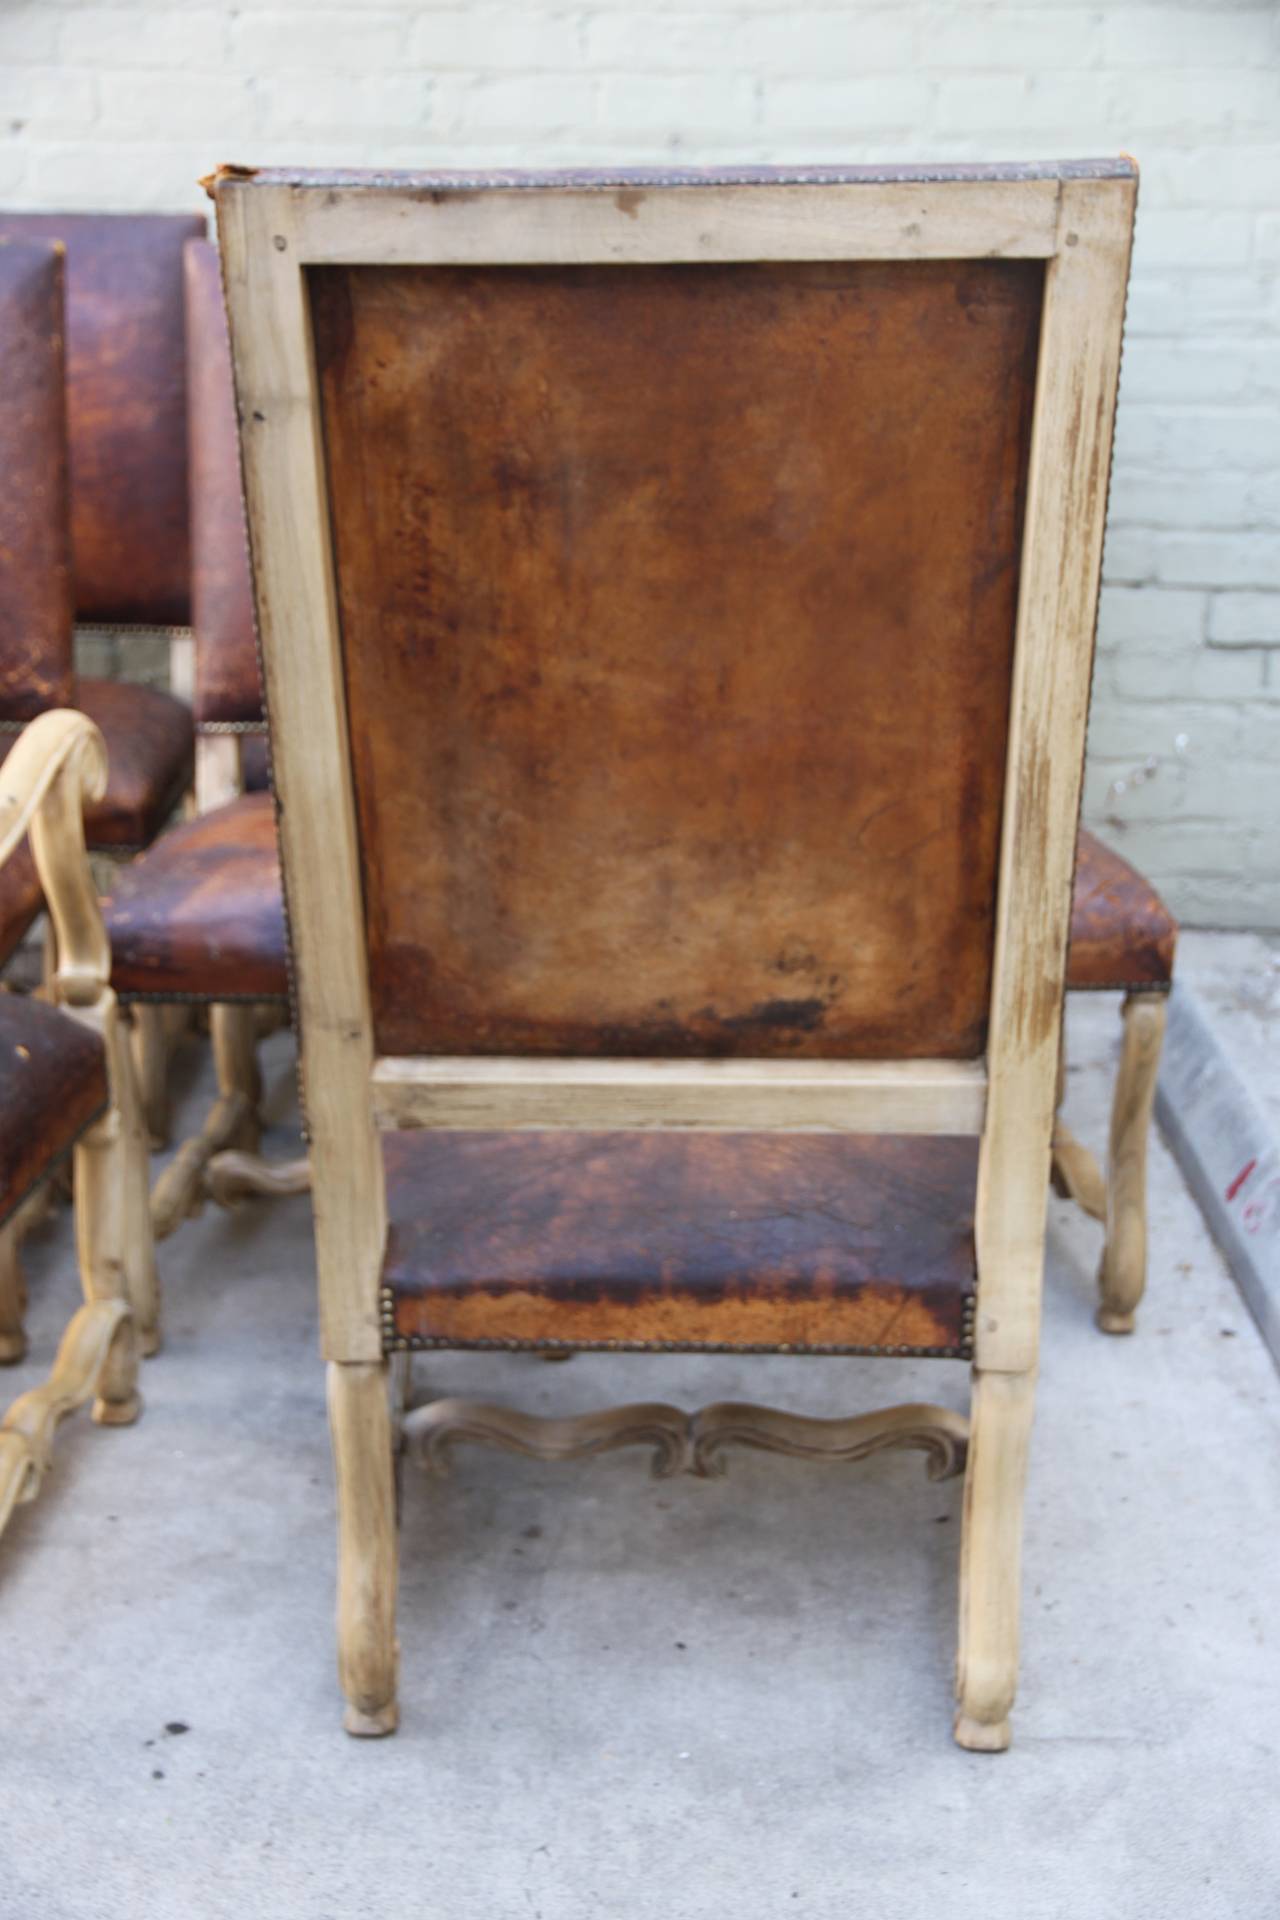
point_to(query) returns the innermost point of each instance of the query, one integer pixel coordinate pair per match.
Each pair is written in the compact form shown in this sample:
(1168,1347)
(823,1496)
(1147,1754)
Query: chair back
(677,597)
(36,668)
(126,380)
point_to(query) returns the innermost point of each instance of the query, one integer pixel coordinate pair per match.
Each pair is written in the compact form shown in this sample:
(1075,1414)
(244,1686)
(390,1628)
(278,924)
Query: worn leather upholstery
(634,666)
(127,408)
(35,529)
(227,683)
(804,1241)
(150,754)
(1122,934)
(201,915)
(20,896)
(53,1083)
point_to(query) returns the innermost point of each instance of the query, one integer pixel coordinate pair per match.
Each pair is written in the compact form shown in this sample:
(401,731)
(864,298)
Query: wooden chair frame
(1077,218)
(56,764)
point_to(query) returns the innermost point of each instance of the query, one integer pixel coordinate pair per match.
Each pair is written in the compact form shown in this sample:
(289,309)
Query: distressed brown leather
(53,1083)
(36,665)
(1122,934)
(150,760)
(20,896)
(677,609)
(805,1241)
(127,408)
(227,682)
(201,914)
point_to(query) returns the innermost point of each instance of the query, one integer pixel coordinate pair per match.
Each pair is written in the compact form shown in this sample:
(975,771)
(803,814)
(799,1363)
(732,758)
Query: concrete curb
(1229,1156)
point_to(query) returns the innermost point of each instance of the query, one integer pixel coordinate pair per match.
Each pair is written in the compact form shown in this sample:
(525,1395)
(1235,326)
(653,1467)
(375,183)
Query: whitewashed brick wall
(123,107)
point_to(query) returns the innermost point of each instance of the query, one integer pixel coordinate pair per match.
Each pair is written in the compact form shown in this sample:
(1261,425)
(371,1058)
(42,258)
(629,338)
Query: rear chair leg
(990,1557)
(360,1424)
(1122,1277)
(13,1298)
(151,1060)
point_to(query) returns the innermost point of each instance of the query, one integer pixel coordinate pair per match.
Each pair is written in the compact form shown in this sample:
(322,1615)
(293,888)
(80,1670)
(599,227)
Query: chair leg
(106,1223)
(990,1557)
(13,1298)
(360,1424)
(151,1060)
(1122,1277)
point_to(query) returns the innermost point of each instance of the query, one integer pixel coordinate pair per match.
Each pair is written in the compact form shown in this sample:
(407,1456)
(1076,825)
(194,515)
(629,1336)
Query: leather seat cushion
(813,1242)
(201,914)
(150,757)
(52,1086)
(1122,934)
(20,898)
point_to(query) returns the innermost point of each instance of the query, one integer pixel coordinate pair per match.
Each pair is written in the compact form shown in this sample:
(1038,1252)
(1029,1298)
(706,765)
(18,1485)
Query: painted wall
(124,107)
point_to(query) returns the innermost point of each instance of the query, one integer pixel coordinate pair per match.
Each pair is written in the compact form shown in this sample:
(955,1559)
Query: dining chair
(125,418)
(68,1088)
(198,919)
(677,596)
(1122,941)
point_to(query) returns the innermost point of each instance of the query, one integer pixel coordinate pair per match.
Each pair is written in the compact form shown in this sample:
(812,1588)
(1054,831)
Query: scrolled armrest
(56,764)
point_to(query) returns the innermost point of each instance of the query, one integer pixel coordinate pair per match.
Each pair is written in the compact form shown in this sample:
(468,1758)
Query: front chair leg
(1122,1277)
(360,1424)
(990,1557)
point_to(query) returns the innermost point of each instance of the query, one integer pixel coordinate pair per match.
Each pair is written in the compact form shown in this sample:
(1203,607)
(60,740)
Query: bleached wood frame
(1077,218)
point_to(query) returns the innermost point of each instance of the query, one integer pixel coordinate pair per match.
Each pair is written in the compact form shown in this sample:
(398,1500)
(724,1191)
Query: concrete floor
(637,1699)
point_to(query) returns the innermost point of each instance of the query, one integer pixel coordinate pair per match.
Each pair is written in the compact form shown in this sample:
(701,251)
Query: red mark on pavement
(1240,1179)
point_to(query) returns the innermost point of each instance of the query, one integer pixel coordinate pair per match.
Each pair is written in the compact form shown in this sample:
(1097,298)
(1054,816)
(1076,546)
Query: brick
(1017,40)
(150,178)
(28,34)
(1206,674)
(1244,620)
(1185,104)
(1137,554)
(205,103)
(495,40)
(515,106)
(1204,36)
(46,100)
(1200,439)
(1140,497)
(1187,371)
(1218,176)
(1200,238)
(651,104)
(1165,304)
(846,107)
(353,41)
(635,42)
(319,102)
(144,37)
(1081,104)
(1152,619)
(823,44)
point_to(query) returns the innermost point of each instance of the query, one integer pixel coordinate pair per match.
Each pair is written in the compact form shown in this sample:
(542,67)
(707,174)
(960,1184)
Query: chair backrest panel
(677,608)
(36,669)
(228,687)
(126,380)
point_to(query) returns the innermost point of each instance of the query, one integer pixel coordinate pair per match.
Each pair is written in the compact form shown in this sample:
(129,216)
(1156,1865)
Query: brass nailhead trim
(396,1342)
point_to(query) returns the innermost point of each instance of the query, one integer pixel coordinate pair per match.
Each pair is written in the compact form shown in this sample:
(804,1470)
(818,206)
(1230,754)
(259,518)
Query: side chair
(125,417)
(677,595)
(199,918)
(1122,941)
(68,1087)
